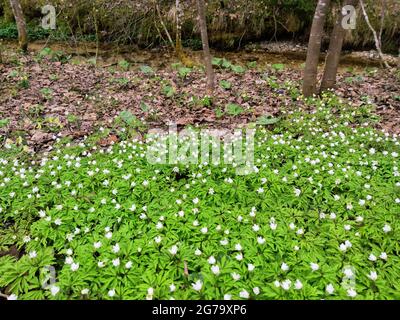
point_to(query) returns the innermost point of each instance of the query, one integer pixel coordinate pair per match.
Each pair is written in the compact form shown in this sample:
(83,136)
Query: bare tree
(206,48)
(376,38)
(314,48)
(335,49)
(21,24)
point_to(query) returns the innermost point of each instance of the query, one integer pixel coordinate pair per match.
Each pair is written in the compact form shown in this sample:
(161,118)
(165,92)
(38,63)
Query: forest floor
(316,207)
(51,93)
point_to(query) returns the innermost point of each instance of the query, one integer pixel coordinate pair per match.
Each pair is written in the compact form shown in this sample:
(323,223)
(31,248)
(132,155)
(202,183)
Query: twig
(163,25)
(377,44)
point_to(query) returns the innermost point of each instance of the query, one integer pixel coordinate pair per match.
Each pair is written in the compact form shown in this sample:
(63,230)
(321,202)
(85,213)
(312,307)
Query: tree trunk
(21,25)
(334,51)
(314,48)
(178,40)
(206,48)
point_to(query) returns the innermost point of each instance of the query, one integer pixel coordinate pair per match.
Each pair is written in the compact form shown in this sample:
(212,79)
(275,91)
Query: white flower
(227,297)
(116,262)
(277,283)
(172,288)
(372,257)
(351,292)
(286,284)
(100,264)
(348,244)
(273,225)
(373,275)
(159,225)
(197,285)
(239,257)
(211,260)
(197,252)
(387,228)
(260,240)
(300,231)
(383,256)
(32,254)
(173,250)
(204,230)
(128,265)
(58,222)
(244,294)
(97,245)
(256,291)
(284,267)
(330,289)
(157,239)
(256,228)
(69,252)
(238,247)
(215,269)
(348,273)
(74,266)
(54,290)
(235,276)
(250,267)
(116,248)
(196,200)
(111,293)
(109,235)
(84,291)
(297,192)
(314,266)
(342,247)
(12,297)
(298,285)
(360,219)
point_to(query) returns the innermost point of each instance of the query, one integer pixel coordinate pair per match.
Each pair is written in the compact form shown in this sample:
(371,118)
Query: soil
(50,99)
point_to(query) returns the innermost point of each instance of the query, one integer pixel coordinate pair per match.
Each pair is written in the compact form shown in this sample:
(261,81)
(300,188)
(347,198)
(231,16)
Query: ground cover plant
(318,218)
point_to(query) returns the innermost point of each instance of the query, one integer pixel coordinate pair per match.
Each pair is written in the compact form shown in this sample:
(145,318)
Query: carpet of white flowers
(318,219)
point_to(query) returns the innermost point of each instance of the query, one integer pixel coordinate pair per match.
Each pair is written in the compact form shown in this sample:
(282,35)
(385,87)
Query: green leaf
(225,84)
(266,120)
(234,109)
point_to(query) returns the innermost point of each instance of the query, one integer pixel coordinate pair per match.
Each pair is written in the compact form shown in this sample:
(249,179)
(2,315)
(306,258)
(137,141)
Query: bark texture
(335,50)
(314,48)
(21,24)
(206,47)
